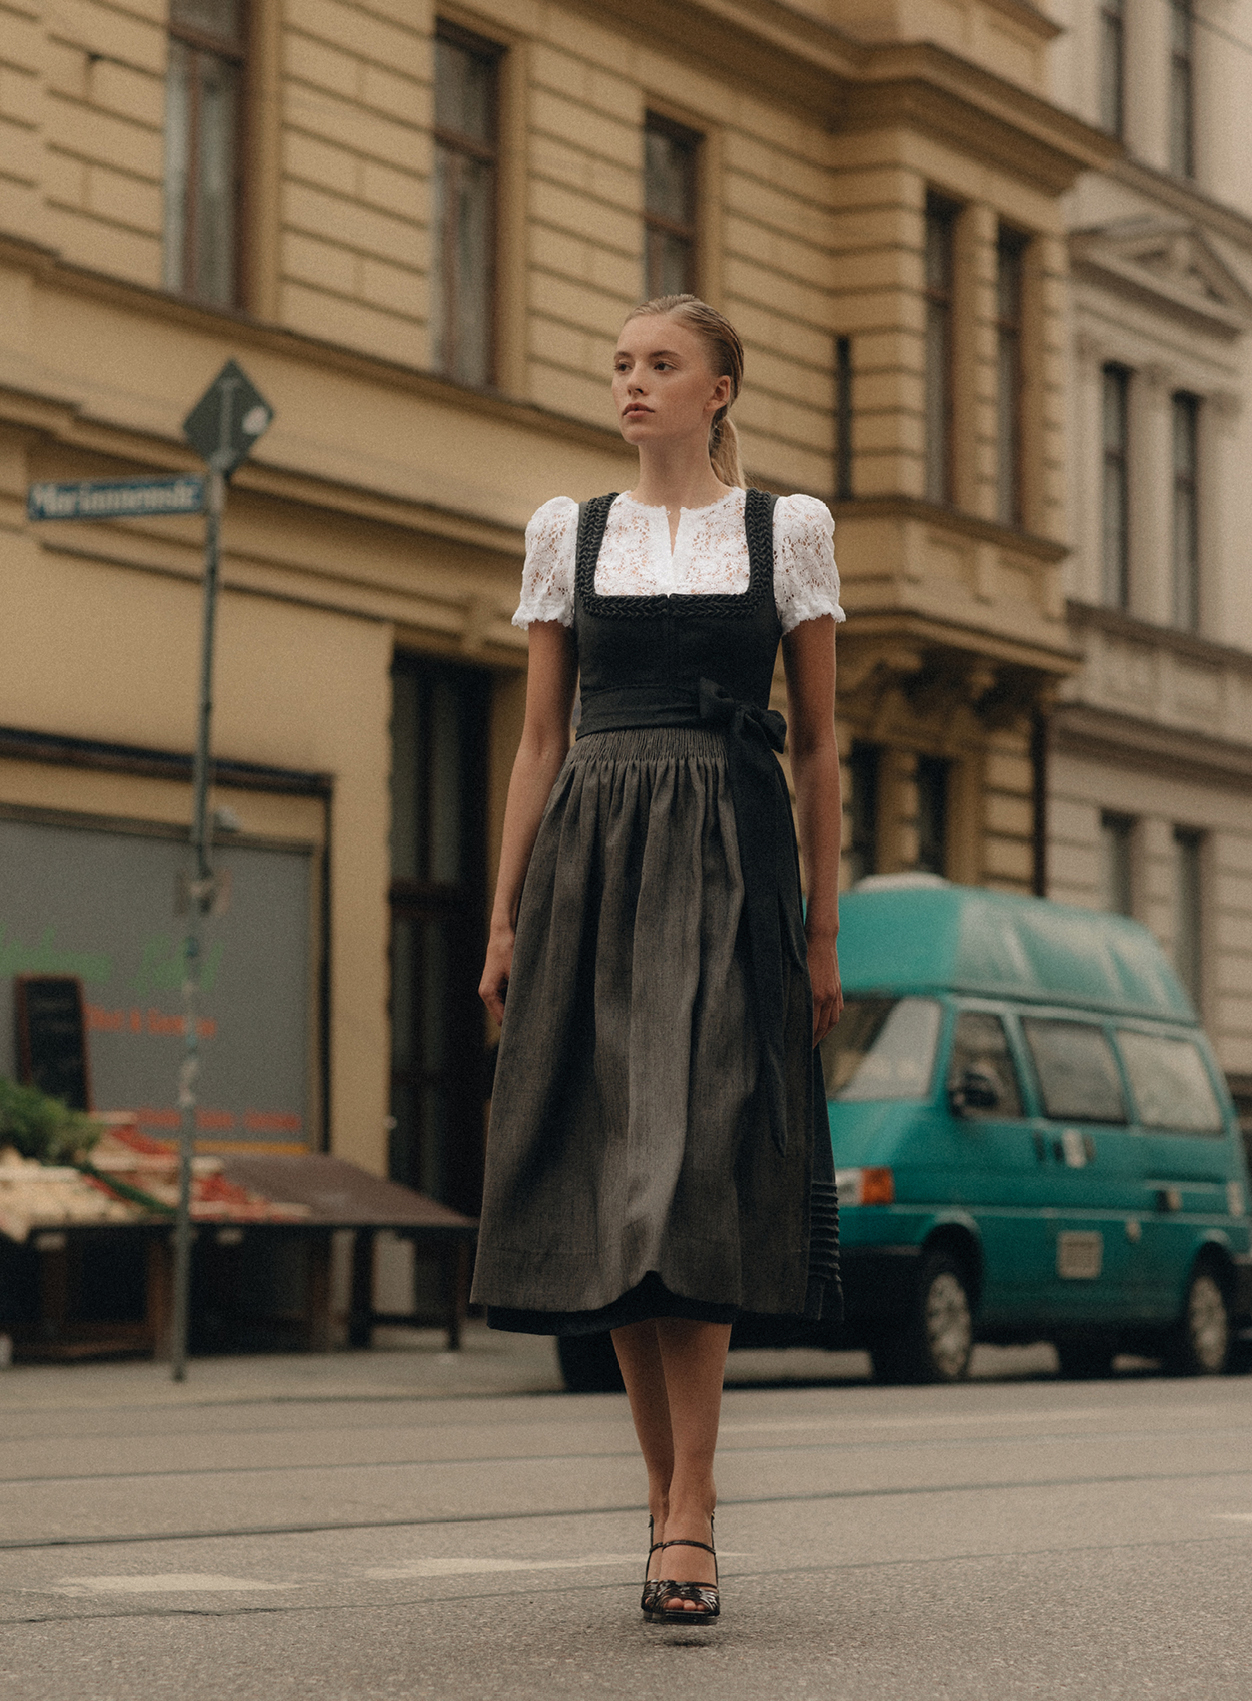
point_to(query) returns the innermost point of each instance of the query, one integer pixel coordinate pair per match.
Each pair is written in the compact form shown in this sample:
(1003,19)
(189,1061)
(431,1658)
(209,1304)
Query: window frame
(1012,248)
(1185,562)
(235,53)
(939,368)
(461,146)
(1115,474)
(656,123)
(1182,102)
(1189,843)
(1112,27)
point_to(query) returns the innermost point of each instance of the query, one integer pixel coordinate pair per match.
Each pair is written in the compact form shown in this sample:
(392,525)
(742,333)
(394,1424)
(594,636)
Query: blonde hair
(721,339)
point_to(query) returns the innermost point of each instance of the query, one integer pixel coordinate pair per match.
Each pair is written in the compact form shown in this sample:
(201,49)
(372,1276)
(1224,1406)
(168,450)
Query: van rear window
(1077,1071)
(1170,1084)
(882,1048)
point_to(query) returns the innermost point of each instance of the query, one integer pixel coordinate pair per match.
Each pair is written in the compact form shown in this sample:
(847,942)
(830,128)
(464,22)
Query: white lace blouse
(710,555)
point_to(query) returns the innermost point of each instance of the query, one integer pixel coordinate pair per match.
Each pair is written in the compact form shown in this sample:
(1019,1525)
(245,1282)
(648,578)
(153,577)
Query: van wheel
(1085,1358)
(1199,1343)
(935,1341)
(589,1364)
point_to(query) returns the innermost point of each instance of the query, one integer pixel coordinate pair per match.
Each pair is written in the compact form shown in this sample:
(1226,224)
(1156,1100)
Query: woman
(658,1162)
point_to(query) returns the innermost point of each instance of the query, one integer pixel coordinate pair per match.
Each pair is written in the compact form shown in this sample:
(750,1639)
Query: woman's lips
(635,412)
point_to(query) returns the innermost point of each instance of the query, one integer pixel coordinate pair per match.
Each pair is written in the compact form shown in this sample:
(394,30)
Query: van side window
(1077,1071)
(1170,1084)
(883,1048)
(981,1044)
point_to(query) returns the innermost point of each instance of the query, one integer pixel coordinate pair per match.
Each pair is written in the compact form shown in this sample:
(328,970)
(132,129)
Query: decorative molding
(1128,627)
(1170,264)
(915,508)
(1082,730)
(24,745)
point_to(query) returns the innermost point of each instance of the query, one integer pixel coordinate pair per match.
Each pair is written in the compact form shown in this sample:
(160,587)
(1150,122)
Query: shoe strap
(680,1543)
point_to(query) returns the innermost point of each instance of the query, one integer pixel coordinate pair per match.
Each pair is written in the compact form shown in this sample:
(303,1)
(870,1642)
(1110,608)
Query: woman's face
(663,385)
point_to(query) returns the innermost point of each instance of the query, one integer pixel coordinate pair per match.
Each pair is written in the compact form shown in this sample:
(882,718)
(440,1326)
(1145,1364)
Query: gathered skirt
(630,1169)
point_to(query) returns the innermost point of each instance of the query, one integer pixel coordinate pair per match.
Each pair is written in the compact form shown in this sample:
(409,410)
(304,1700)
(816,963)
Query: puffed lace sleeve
(806,580)
(548,573)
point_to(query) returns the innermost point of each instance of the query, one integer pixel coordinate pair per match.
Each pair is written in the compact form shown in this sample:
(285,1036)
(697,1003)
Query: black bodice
(628,642)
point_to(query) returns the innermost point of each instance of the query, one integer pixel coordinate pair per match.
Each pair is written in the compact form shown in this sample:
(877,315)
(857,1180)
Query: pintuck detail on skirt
(629,1144)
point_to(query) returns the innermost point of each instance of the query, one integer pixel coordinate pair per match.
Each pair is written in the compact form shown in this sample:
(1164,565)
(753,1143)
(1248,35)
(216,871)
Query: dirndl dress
(658,1141)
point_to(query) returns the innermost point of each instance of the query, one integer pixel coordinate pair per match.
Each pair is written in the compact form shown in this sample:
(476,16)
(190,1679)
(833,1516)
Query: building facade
(1150,806)
(418,230)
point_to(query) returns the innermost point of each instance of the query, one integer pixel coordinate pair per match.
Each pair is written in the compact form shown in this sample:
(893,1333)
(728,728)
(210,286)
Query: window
(981,1043)
(1010,255)
(843,418)
(1112,65)
(864,767)
(1181,89)
(1188,912)
(1186,540)
(203,115)
(463,235)
(438,734)
(883,1048)
(670,158)
(1170,1084)
(940,231)
(932,814)
(1077,1071)
(1115,491)
(1117,838)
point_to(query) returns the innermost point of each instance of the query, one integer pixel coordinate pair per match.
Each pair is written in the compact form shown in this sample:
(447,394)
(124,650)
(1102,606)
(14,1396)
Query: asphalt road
(409,1524)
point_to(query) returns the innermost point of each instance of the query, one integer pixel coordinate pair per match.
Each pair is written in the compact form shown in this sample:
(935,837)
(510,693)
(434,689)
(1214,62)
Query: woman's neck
(677,475)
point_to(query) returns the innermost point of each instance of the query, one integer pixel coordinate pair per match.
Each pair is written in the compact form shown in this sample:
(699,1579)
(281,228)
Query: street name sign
(227,420)
(116,499)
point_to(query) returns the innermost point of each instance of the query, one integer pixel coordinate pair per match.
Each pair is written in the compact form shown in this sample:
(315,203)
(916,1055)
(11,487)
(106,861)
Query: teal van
(1032,1137)
(1033,1142)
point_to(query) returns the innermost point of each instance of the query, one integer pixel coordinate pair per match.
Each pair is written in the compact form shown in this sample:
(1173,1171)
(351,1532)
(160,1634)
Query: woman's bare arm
(550,683)
(809,658)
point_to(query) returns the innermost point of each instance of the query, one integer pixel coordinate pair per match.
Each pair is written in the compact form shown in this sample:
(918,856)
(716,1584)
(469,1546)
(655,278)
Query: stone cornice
(1188,645)
(904,628)
(1083,730)
(1183,197)
(953,520)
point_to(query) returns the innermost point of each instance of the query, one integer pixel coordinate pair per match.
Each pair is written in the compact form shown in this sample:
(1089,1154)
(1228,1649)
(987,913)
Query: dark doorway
(438,876)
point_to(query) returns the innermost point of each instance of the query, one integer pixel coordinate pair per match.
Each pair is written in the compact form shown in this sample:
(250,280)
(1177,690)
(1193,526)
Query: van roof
(914,937)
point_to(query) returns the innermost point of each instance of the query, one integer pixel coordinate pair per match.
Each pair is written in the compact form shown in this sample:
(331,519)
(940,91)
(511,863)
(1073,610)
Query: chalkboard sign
(52,1038)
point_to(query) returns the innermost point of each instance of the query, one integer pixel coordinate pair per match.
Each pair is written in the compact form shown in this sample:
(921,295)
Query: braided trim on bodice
(758,515)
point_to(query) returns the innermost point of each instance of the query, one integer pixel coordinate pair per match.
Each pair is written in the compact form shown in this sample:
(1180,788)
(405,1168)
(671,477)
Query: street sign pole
(200,897)
(223,426)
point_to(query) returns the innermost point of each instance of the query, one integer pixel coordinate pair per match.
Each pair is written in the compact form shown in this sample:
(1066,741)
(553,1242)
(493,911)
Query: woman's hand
(496,971)
(824,977)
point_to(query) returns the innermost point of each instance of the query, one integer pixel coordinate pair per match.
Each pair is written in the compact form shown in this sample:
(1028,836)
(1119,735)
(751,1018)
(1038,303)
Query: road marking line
(162,1583)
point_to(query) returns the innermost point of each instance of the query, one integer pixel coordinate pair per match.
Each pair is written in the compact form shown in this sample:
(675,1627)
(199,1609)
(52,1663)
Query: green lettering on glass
(47,958)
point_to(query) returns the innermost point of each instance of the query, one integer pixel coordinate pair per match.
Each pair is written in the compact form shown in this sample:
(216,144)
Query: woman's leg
(639,1355)
(673,1370)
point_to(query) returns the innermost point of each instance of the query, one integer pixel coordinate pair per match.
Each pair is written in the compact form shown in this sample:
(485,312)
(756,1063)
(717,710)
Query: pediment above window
(1170,263)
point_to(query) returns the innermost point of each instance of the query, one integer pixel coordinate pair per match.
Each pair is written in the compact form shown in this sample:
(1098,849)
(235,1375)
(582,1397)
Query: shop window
(1112,65)
(1010,264)
(1115,487)
(1189,911)
(932,814)
(1186,538)
(1117,838)
(1077,1071)
(843,419)
(203,149)
(671,157)
(1181,88)
(939,251)
(463,225)
(863,769)
(438,737)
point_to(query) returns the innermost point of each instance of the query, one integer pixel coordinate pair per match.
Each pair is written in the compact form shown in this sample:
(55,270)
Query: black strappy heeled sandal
(705,1596)
(648,1602)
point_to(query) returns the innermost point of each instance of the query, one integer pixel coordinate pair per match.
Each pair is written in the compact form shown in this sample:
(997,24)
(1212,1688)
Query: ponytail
(726,359)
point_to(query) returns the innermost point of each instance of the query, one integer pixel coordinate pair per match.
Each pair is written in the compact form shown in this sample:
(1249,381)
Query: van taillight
(866,1186)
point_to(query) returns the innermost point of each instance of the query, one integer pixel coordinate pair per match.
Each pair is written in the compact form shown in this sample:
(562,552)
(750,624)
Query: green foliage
(42,1127)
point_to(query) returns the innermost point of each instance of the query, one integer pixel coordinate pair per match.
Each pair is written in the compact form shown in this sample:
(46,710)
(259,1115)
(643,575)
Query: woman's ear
(721,393)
